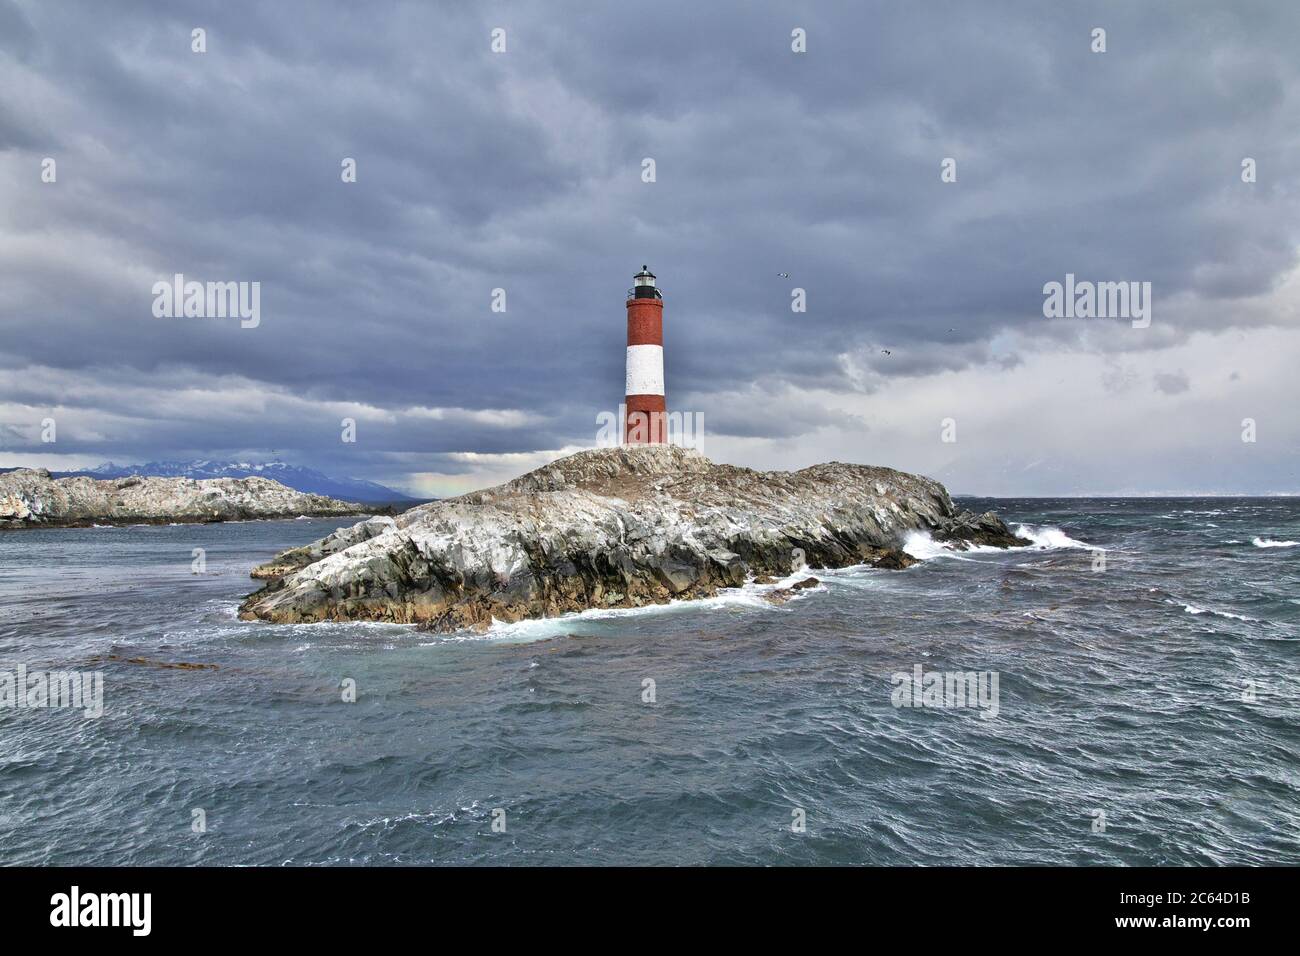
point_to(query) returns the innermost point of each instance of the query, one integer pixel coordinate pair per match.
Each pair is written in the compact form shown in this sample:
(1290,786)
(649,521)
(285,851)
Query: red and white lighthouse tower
(647,412)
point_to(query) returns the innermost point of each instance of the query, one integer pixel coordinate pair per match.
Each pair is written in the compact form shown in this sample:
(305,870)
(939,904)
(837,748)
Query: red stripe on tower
(647,412)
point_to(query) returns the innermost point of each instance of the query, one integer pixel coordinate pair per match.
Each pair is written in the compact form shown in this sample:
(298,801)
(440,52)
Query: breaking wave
(919,544)
(1193,609)
(1047,538)
(1270,543)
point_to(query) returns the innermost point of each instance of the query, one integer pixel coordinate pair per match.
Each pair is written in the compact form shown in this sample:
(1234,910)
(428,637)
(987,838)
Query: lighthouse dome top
(643,285)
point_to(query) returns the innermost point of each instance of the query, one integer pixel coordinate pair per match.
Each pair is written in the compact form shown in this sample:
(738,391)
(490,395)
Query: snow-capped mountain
(293,476)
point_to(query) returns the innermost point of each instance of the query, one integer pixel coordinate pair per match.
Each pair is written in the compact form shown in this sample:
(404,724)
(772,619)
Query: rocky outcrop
(613,527)
(31,498)
(781,595)
(967,529)
(286,562)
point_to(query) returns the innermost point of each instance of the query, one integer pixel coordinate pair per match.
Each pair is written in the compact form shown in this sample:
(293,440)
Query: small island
(33,498)
(614,527)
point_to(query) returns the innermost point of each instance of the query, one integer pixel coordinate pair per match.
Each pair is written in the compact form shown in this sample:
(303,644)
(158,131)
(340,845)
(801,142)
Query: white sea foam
(427,818)
(1193,609)
(751,597)
(920,545)
(856,576)
(1048,538)
(1270,543)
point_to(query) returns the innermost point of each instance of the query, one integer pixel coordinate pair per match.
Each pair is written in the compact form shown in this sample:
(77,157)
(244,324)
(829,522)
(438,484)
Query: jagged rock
(895,560)
(612,527)
(288,561)
(781,595)
(968,529)
(31,498)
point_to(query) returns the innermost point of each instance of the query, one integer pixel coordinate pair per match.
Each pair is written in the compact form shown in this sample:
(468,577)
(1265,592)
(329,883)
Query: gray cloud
(1172,383)
(521,171)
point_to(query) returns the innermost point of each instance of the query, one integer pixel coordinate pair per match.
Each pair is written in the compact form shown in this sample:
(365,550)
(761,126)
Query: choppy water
(1119,691)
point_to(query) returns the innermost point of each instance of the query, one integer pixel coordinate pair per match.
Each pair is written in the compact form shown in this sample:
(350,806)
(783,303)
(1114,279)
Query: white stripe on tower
(645,370)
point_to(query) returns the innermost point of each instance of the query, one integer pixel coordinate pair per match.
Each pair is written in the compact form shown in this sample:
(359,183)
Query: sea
(1123,691)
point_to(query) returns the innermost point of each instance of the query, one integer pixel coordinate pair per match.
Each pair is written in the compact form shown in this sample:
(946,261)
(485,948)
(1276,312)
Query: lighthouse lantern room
(643,285)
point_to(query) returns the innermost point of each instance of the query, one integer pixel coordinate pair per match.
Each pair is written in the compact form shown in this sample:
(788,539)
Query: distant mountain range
(293,476)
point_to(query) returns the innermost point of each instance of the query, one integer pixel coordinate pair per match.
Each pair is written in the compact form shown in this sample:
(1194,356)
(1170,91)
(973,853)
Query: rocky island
(609,528)
(32,498)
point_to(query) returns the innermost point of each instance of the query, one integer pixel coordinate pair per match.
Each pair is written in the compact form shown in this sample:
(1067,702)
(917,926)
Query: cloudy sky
(522,170)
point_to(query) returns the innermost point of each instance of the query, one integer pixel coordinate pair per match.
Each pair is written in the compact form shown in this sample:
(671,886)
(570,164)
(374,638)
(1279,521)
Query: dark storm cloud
(522,171)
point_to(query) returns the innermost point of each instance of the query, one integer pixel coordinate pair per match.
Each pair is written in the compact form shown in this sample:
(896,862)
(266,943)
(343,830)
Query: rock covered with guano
(33,498)
(609,528)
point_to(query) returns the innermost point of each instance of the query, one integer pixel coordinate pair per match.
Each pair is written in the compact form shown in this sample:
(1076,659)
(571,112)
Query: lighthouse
(647,412)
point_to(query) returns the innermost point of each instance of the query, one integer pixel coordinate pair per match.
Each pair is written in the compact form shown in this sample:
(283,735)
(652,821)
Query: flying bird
(784,275)
(886,352)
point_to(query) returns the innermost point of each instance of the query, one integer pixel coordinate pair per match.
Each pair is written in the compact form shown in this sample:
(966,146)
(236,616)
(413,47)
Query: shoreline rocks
(32,498)
(608,528)
(968,530)
(781,595)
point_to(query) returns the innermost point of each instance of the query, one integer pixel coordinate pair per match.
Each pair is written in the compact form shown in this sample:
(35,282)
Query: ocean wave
(1047,538)
(1193,609)
(1270,543)
(430,817)
(919,544)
